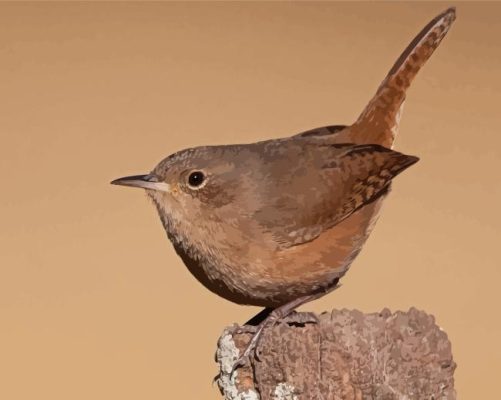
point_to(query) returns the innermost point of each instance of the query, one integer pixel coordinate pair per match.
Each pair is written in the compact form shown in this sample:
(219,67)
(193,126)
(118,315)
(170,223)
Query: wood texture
(341,355)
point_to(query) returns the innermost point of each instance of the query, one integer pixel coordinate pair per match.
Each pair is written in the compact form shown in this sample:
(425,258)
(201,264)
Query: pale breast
(268,278)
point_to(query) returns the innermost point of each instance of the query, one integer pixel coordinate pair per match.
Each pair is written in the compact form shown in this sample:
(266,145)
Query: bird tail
(378,123)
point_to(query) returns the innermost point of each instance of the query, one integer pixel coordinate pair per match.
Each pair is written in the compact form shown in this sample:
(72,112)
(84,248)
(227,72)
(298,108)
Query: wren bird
(277,223)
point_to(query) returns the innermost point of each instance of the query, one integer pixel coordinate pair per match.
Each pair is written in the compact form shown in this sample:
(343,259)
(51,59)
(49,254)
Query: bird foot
(268,317)
(241,362)
(250,349)
(301,318)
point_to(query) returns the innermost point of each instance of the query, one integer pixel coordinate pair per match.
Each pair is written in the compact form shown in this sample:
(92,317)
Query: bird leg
(252,325)
(259,317)
(268,317)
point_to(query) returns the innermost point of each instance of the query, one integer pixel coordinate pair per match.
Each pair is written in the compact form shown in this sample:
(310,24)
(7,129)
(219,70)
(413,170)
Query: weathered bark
(342,355)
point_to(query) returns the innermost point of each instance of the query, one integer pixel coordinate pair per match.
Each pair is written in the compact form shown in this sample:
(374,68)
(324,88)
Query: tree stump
(342,355)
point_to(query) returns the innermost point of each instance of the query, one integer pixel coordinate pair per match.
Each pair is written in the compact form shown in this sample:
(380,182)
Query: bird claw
(250,350)
(257,354)
(241,361)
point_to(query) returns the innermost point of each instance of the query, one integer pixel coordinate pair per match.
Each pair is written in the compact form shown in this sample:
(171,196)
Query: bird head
(194,185)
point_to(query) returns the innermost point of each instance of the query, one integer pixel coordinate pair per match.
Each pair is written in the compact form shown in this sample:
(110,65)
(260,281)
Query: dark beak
(149,181)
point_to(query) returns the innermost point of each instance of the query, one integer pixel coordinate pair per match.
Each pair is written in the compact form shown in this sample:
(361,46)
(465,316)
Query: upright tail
(378,123)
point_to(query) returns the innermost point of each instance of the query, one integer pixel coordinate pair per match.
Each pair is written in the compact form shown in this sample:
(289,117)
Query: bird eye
(196,178)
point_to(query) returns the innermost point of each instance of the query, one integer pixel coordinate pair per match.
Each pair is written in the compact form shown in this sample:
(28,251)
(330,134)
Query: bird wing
(327,185)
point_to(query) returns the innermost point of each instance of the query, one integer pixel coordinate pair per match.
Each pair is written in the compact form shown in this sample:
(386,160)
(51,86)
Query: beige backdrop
(94,303)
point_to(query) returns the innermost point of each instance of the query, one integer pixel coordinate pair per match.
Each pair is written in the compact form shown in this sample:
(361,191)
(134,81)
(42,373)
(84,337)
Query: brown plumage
(277,223)
(242,234)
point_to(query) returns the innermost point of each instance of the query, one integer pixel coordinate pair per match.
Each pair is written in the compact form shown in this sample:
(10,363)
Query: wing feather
(338,180)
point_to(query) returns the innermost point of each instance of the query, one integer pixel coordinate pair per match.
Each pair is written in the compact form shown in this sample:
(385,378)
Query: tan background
(91,291)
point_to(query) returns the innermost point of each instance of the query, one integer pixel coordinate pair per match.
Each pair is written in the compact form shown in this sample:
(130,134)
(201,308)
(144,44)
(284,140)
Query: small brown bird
(277,223)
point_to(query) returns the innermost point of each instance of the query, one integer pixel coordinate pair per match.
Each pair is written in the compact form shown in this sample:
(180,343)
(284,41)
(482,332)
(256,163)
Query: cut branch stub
(342,355)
